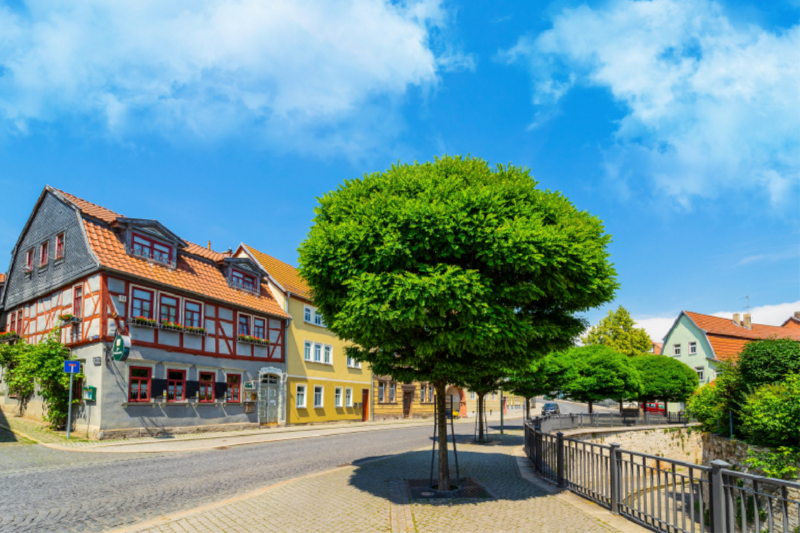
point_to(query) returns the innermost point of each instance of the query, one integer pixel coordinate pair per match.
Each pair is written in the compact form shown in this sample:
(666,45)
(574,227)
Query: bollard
(560,458)
(614,476)
(718,496)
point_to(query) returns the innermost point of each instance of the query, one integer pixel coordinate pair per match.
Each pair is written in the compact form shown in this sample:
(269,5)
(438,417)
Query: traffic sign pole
(69,409)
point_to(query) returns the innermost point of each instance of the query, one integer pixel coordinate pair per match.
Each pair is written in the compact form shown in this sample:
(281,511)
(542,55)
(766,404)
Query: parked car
(550,408)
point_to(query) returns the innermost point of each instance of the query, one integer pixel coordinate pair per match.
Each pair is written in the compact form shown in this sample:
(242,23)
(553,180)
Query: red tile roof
(727,338)
(792,322)
(196,249)
(88,208)
(284,273)
(2,277)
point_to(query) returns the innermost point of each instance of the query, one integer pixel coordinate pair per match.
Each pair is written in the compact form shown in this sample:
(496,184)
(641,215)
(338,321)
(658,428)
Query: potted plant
(249,339)
(68,318)
(172,326)
(194,330)
(144,322)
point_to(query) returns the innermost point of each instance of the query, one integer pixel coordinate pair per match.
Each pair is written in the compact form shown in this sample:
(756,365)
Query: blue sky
(676,122)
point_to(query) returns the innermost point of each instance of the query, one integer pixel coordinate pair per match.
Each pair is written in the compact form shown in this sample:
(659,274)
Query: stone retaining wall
(676,443)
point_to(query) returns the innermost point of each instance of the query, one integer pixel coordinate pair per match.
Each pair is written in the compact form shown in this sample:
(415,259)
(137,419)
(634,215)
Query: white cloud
(709,105)
(770,315)
(295,70)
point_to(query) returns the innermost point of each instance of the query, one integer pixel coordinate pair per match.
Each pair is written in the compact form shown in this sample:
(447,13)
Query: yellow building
(514,404)
(323,385)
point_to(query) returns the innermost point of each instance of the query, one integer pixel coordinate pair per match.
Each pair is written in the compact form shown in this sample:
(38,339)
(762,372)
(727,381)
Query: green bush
(771,415)
(708,405)
(768,361)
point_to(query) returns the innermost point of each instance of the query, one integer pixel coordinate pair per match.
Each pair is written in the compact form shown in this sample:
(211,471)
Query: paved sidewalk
(369,497)
(209,440)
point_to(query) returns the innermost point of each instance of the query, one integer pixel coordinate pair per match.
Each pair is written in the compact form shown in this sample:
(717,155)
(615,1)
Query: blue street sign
(72,367)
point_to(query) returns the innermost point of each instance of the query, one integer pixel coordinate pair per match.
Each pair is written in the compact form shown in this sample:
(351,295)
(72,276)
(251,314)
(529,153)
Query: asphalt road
(45,490)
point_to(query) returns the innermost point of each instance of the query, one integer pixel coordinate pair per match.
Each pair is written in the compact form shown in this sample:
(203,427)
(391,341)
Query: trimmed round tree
(428,269)
(664,379)
(598,373)
(543,376)
(767,361)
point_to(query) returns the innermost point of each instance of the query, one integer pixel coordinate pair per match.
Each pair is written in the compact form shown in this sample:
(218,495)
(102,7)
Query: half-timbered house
(200,336)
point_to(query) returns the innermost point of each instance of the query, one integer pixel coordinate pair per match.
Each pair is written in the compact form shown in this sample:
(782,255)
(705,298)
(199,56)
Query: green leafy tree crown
(664,378)
(768,361)
(598,373)
(429,268)
(618,331)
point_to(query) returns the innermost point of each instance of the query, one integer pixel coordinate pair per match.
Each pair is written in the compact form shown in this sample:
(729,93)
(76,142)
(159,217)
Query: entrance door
(408,396)
(268,400)
(364,405)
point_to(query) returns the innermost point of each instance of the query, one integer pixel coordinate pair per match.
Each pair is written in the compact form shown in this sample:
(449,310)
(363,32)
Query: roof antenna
(746,307)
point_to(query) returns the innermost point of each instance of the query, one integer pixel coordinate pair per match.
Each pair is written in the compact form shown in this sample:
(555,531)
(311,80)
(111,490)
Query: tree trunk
(590,407)
(620,407)
(481,409)
(527,408)
(444,465)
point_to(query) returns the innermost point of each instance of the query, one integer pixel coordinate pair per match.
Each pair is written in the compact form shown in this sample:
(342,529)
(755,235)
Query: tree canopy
(768,361)
(598,372)
(617,331)
(664,378)
(429,268)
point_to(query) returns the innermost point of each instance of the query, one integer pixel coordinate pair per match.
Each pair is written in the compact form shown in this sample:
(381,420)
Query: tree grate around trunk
(420,490)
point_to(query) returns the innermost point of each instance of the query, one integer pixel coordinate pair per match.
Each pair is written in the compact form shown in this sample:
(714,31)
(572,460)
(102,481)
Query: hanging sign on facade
(121,347)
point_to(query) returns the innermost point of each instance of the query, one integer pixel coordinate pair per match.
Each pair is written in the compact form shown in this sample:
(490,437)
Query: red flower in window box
(249,339)
(144,321)
(174,326)
(194,330)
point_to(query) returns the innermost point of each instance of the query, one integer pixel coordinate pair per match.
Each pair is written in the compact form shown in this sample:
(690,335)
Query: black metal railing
(662,494)
(551,423)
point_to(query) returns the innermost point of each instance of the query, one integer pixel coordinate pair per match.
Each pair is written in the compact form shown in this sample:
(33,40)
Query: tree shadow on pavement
(6,435)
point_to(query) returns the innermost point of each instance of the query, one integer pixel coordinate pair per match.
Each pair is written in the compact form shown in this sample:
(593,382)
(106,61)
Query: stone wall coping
(624,429)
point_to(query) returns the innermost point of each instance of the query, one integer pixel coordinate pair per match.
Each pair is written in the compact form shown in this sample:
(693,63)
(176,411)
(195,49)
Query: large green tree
(619,332)
(664,379)
(767,361)
(598,373)
(430,268)
(539,377)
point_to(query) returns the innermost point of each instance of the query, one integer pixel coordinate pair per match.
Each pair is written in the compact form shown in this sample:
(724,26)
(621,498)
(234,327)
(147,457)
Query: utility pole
(502,408)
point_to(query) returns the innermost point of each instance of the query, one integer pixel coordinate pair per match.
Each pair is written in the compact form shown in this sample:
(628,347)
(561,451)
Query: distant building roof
(284,273)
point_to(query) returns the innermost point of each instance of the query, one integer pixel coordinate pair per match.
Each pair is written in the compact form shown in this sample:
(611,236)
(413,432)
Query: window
(494,396)
(328,354)
(43,249)
(300,397)
(191,316)
(307,351)
(206,387)
(12,322)
(169,309)
(29,259)
(234,382)
(471,395)
(242,280)
(423,393)
(19,322)
(701,373)
(151,249)
(77,302)
(59,246)
(381,392)
(307,314)
(692,348)
(318,393)
(430,394)
(676,350)
(317,353)
(244,325)
(176,385)
(142,303)
(318,319)
(392,388)
(348,397)
(259,328)
(139,385)
(337,398)
(352,363)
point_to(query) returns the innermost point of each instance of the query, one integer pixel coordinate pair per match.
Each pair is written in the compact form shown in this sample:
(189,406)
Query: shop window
(176,385)
(206,387)
(234,382)
(139,385)
(151,249)
(259,328)
(59,246)
(142,303)
(192,315)
(169,309)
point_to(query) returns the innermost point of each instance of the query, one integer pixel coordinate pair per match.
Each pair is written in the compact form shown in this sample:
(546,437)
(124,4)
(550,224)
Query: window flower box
(8,336)
(143,321)
(191,330)
(69,319)
(248,339)
(171,326)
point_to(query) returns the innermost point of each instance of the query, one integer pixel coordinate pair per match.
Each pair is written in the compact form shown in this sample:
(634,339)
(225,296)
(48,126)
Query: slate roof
(285,274)
(197,271)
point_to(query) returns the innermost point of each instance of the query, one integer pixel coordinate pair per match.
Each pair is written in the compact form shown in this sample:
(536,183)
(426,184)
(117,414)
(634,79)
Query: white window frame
(298,395)
(308,347)
(348,397)
(321,396)
(392,392)
(318,319)
(327,354)
(701,373)
(693,348)
(676,350)
(307,314)
(337,397)
(471,395)
(382,392)
(317,352)
(422,391)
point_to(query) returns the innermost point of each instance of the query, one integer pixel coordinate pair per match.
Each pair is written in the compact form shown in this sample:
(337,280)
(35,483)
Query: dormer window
(43,253)
(243,280)
(151,249)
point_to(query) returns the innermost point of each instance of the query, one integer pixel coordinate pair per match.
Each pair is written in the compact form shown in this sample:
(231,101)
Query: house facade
(323,384)
(702,341)
(492,403)
(201,337)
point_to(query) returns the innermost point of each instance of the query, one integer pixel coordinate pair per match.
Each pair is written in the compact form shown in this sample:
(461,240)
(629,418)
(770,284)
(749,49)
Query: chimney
(209,245)
(747,323)
(736,319)
(797,314)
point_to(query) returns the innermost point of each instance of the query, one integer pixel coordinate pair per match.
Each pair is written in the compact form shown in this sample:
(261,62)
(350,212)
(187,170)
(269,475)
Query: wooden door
(408,396)
(364,405)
